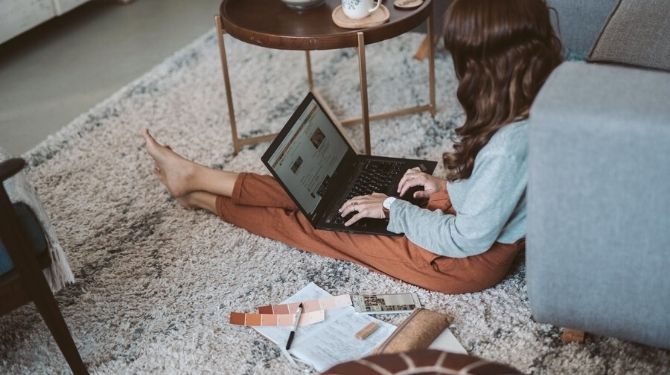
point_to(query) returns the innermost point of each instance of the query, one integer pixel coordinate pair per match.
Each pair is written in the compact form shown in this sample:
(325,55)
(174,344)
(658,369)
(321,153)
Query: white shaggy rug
(155,282)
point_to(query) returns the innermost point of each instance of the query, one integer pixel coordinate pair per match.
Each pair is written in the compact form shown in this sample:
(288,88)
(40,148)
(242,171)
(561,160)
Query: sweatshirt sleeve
(500,182)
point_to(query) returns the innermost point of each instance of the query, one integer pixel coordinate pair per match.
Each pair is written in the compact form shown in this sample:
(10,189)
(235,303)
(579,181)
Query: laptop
(320,170)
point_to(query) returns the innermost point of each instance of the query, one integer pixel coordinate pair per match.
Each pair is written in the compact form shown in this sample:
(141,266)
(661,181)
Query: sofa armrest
(598,240)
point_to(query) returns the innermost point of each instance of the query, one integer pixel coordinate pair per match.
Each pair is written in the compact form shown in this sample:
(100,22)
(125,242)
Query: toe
(152,146)
(147,136)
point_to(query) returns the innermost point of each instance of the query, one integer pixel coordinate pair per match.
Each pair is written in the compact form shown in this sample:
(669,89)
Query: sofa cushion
(579,23)
(32,228)
(637,34)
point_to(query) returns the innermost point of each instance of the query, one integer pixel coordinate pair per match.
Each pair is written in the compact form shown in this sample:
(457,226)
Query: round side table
(271,24)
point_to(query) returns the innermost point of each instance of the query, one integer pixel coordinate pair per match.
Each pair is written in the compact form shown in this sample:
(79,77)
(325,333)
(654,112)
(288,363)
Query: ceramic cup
(357,9)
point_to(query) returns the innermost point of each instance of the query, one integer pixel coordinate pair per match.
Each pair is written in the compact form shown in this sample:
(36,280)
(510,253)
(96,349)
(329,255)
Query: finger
(406,177)
(348,204)
(351,205)
(411,173)
(354,219)
(403,186)
(346,208)
(347,211)
(343,207)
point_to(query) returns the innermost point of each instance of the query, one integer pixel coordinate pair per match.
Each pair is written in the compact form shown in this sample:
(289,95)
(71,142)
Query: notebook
(320,170)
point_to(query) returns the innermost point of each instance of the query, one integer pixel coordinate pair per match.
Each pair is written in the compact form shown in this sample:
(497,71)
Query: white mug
(357,9)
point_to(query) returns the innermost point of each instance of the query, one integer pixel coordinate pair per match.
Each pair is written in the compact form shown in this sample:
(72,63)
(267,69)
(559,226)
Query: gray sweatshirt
(490,205)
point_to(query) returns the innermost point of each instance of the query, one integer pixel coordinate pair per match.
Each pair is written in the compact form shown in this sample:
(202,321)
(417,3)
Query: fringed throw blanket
(19,190)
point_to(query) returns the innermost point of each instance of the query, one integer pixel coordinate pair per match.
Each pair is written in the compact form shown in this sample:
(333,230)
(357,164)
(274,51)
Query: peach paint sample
(311,306)
(237,318)
(328,304)
(285,320)
(268,320)
(293,307)
(308,306)
(312,317)
(253,319)
(279,320)
(266,310)
(280,309)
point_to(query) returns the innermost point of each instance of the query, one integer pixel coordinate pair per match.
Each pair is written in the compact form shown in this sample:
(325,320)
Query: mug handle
(379,3)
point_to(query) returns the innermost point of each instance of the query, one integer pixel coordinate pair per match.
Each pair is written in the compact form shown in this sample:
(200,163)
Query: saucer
(407,4)
(376,18)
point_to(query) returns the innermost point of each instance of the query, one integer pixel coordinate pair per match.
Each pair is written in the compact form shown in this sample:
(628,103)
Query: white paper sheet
(332,341)
(447,342)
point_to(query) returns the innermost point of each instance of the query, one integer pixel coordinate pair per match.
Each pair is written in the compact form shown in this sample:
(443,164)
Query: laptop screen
(308,155)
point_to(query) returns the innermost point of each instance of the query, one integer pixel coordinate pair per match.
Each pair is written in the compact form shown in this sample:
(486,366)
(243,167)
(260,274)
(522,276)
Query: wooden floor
(52,73)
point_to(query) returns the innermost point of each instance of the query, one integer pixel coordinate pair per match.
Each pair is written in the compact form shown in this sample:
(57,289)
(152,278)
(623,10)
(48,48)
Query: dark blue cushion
(35,233)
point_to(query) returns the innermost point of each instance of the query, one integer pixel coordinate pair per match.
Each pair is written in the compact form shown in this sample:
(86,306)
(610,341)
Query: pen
(295,327)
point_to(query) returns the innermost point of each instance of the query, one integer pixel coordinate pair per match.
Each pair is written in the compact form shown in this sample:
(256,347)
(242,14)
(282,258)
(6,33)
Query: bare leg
(199,199)
(181,176)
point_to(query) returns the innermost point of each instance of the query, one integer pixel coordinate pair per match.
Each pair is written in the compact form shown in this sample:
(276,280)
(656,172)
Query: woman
(467,237)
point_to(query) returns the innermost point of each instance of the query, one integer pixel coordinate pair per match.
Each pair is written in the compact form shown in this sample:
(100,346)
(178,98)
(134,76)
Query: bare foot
(174,171)
(187,201)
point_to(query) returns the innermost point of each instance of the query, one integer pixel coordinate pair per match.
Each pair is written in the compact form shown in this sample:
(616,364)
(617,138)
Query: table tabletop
(270,23)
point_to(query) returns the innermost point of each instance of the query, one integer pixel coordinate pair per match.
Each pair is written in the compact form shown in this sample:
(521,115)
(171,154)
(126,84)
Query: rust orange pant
(260,205)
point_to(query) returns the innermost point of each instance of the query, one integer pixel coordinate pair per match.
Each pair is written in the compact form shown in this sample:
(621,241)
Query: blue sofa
(598,244)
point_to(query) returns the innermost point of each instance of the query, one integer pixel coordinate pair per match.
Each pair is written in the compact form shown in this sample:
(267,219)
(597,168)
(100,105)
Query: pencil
(295,327)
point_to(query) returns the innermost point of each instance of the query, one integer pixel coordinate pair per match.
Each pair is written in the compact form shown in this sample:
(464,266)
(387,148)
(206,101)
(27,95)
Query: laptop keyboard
(376,176)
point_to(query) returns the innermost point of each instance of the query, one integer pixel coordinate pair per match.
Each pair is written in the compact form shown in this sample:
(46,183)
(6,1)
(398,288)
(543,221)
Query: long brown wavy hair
(503,51)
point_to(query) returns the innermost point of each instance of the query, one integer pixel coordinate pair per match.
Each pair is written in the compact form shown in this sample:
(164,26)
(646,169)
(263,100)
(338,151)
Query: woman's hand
(369,206)
(414,177)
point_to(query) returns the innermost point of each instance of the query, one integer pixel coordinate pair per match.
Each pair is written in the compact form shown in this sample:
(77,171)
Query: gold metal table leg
(310,77)
(365,118)
(226,79)
(362,70)
(431,64)
(387,115)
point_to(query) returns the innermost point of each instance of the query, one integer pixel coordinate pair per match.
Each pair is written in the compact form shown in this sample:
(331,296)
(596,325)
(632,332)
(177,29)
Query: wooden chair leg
(34,283)
(48,308)
(572,335)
